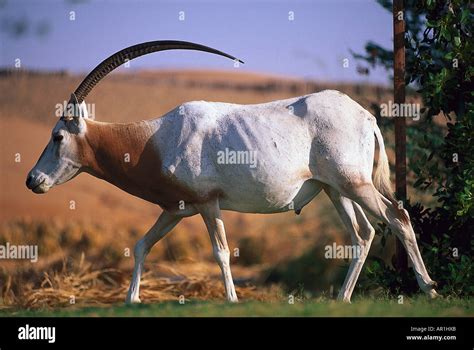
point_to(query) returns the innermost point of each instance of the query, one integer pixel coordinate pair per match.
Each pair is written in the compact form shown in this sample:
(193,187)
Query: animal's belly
(255,163)
(265,200)
(262,180)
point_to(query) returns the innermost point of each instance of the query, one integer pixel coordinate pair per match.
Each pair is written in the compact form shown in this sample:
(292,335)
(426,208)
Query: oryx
(322,141)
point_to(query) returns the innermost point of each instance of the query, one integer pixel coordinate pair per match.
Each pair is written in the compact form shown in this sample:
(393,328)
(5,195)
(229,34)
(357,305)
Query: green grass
(419,306)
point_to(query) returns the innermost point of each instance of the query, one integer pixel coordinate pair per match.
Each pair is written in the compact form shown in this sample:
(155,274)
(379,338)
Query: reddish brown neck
(110,150)
(126,155)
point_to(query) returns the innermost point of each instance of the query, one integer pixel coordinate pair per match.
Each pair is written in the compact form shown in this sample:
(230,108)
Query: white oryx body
(289,151)
(295,140)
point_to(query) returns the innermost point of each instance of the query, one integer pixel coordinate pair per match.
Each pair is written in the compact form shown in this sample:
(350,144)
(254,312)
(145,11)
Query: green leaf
(418,182)
(465,16)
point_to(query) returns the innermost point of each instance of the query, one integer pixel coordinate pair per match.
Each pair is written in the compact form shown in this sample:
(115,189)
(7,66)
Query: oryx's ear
(75,115)
(75,109)
(83,112)
(72,109)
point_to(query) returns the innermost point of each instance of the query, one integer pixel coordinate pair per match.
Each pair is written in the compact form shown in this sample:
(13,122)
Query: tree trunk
(400,123)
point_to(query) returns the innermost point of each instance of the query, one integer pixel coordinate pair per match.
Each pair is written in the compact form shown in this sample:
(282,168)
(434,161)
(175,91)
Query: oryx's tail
(382,176)
(382,171)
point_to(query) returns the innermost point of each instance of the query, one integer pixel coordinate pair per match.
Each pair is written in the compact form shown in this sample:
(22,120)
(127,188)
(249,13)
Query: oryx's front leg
(211,214)
(163,225)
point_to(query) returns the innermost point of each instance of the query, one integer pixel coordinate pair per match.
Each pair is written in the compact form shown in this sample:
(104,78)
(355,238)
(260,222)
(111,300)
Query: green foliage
(440,61)
(439,52)
(446,252)
(439,64)
(377,274)
(457,191)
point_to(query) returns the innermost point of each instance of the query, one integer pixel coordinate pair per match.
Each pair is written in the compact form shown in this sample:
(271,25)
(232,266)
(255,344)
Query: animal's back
(259,154)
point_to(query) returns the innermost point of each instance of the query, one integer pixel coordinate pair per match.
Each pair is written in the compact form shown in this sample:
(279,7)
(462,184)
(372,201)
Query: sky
(303,39)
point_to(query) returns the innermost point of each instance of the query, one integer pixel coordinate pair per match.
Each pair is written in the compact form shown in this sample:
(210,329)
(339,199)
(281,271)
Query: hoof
(341,298)
(434,295)
(344,300)
(133,301)
(434,284)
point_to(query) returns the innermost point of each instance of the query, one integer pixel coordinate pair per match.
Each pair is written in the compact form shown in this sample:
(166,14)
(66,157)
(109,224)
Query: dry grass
(82,286)
(93,263)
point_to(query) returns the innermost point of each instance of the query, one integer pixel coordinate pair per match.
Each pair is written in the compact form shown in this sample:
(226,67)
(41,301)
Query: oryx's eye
(57,138)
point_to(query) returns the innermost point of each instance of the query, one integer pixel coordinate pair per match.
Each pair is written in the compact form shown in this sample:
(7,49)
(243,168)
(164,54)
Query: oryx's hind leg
(211,214)
(362,234)
(163,225)
(365,194)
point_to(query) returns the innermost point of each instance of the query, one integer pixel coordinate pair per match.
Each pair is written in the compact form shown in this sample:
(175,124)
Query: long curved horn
(129,53)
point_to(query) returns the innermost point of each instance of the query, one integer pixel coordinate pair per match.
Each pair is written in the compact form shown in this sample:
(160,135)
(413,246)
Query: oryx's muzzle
(37,182)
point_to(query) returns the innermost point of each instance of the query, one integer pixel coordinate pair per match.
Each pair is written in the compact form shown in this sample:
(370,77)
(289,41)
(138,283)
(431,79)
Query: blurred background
(302,39)
(290,48)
